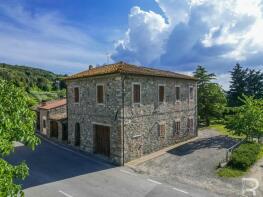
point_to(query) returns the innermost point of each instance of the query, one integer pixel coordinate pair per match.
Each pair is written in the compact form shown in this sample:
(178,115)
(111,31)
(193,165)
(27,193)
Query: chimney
(44,103)
(121,62)
(90,67)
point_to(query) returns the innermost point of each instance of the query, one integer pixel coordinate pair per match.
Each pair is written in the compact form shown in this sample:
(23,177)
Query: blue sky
(66,36)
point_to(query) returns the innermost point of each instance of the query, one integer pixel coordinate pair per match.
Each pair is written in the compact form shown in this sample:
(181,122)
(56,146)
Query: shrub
(245,156)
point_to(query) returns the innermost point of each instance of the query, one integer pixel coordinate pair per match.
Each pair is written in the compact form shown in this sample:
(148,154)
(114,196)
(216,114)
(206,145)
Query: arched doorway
(77,134)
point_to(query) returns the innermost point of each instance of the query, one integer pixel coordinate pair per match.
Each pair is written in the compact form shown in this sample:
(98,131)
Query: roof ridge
(123,67)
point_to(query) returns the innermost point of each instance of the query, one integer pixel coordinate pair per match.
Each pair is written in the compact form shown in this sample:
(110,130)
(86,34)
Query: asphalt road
(56,171)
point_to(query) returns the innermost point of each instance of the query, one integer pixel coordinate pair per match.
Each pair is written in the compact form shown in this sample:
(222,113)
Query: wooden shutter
(136,93)
(178,127)
(190,124)
(100,94)
(162,130)
(76,95)
(161,93)
(177,93)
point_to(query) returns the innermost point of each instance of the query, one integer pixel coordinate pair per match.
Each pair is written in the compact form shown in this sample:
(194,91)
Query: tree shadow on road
(49,163)
(219,142)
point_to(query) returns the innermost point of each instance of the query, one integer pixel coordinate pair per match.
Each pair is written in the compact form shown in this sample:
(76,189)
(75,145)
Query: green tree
(17,124)
(211,97)
(254,83)
(238,85)
(248,120)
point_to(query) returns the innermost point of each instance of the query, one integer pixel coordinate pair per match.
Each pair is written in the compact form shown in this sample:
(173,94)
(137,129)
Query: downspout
(123,78)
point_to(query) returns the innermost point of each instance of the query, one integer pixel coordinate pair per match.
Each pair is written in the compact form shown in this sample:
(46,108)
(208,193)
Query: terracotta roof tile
(122,67)
(53,104)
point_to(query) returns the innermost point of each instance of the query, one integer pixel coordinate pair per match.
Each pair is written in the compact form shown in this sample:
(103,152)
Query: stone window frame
(189,129)
(191,99)
(73,88)
(44,123)
(164,100)
(136,83)
(160,133)
(44,129)
(180,97)
(104,93)
(175,131)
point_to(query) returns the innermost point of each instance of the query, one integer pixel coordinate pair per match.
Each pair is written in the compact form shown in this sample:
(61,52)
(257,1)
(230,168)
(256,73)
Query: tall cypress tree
(238,85)
(211,98)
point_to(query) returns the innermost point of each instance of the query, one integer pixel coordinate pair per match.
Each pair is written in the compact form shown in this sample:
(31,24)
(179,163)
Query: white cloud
(223,80)
(143,41)
(213,33)
(47,40)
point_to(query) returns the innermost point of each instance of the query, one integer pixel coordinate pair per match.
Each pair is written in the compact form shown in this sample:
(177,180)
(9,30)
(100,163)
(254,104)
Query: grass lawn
(224,131)
(229,172)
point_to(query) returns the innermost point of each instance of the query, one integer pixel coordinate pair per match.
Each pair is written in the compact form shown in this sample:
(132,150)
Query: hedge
(244,156)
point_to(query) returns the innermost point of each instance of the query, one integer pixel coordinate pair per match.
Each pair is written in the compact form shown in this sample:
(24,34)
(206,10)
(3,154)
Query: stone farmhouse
(52,118)
(123,111)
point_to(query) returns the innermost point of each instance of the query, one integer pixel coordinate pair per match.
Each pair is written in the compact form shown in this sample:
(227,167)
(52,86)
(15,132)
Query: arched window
(77,134)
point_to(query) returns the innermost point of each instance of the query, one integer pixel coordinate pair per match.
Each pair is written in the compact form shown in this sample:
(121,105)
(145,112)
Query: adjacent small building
(53,119)
(123,111)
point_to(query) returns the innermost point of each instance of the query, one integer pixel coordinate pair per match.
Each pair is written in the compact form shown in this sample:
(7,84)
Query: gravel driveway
(195,163)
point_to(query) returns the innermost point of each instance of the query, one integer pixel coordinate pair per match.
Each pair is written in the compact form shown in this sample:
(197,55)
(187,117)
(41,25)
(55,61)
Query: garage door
(102,140)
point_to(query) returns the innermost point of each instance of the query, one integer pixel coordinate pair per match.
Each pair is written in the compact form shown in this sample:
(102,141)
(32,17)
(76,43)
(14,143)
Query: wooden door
(54,129)
(102,140)
(64,132)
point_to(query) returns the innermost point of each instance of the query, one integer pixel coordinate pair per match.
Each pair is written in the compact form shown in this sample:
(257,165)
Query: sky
(66,36)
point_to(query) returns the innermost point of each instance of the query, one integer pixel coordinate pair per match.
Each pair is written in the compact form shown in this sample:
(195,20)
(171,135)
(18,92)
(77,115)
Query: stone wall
(44,114)
(88,113)
(140,122)
(141,125)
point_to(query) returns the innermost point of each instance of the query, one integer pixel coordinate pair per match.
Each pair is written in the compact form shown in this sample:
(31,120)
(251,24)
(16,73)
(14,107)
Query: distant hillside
(31,78)
(39,83)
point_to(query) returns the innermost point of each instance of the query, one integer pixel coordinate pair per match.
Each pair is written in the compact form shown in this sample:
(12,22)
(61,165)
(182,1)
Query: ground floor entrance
(102,140)
(53,129)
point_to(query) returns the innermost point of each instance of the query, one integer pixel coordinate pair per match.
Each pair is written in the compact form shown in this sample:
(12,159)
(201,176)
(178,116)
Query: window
(136,93)
(44,124)
(100,94)
(177,93)
(76,95)
(190,124)
(161,130)
(191,93)
(161,93)
(177,127)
